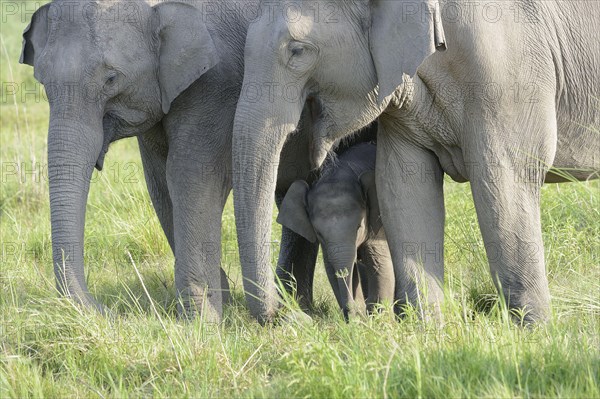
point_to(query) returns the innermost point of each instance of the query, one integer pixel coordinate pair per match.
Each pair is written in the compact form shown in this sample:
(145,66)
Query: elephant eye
(297,51)
(111,79)
(302,56)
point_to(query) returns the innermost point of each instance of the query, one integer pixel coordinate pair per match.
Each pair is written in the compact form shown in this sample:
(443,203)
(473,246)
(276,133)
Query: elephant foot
(226,297)
(528,308)
(85,300)
(302,295)
(199,302)
(422,295)
(265,311)
(354,309)
(429,314)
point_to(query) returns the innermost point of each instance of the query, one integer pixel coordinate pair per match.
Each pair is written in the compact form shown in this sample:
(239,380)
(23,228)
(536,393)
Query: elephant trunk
(73,149)
(260,131)
(341,260)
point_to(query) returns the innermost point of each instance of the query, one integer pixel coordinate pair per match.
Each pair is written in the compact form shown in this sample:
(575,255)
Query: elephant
(298,256)
(502,95)
(170,75)
(341,212)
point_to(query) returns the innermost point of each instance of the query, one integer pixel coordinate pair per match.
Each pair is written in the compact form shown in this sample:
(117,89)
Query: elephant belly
(577,153)
(452,162)
(576,56)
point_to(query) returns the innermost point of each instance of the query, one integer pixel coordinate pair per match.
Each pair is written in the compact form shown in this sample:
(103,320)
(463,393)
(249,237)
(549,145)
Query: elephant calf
(341,211)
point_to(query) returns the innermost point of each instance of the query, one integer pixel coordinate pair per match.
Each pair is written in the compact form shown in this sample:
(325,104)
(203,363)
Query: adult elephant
(497,94)
(171,76)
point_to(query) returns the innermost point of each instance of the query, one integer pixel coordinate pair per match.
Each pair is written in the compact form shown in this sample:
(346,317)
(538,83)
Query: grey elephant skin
(341,212)
(170,75)
(505,103)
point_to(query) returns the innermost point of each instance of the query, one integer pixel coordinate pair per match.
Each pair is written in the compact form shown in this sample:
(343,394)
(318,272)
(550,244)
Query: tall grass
(51,348)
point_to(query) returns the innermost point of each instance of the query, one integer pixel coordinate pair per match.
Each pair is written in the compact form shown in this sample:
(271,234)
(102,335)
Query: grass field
(50,348)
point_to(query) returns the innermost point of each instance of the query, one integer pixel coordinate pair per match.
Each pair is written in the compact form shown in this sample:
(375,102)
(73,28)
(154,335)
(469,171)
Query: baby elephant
(341,211)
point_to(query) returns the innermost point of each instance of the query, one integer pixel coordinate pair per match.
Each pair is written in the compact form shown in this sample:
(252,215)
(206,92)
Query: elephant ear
(293,212)
(367,182)
(186,49)
(35,37)
(403,33)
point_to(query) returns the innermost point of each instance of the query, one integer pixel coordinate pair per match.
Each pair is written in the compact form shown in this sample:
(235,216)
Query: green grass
(50,348)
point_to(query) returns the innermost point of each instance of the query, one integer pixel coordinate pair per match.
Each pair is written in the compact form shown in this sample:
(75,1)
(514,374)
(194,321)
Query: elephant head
(111,70)
(347,58)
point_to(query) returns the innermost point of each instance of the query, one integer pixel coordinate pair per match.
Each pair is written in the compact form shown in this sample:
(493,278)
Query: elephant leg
(357,291)
(508,211)
(364,277)
(154,150)
(506,183)
(509,219)
(379,273)
(225,289)
(296,264)
(199,184)
(410,191)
